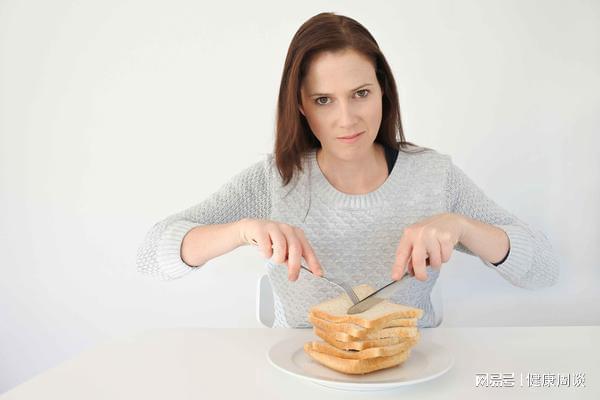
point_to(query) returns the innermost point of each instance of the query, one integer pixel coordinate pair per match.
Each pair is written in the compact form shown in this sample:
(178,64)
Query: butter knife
(377,296)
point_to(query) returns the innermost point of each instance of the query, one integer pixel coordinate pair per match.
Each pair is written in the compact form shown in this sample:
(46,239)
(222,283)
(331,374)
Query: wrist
(240,229)
(464,227)
(188,248)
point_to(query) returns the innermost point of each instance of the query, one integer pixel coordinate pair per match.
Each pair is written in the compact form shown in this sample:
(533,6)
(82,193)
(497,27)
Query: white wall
(115,114)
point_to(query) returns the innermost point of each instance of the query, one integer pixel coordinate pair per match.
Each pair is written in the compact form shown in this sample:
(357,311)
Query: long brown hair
(328,32)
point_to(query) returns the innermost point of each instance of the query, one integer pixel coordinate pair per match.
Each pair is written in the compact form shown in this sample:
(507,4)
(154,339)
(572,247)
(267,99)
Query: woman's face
(341,97)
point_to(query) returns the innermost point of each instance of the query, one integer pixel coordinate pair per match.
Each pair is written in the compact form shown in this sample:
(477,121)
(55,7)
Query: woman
(347,193)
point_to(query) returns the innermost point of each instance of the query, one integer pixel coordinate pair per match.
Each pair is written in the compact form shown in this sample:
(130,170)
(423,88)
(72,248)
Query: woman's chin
(348,153)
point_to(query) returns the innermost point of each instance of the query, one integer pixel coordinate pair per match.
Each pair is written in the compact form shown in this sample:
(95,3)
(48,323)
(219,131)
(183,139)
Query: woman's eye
(365,91)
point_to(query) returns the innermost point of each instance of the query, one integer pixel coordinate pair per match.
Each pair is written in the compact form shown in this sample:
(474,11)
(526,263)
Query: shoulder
(266,168)
(425,158)
(257,174)
(263,166)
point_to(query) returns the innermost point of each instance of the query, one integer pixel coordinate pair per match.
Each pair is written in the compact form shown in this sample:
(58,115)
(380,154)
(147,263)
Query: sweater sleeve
(530,263)
(246,195)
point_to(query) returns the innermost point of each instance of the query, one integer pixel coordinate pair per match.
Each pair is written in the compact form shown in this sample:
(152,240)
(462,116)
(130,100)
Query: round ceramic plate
(427,361)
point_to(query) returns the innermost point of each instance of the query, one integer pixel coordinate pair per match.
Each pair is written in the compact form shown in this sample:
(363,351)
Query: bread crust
(372,352)
(362,366)
(406,327)
(335,310)
(378,338)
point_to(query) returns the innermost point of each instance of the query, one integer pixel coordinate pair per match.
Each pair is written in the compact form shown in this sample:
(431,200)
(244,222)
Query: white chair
(265,305)
(265,309)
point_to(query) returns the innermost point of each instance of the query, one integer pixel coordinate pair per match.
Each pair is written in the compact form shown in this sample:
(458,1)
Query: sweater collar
(322,189)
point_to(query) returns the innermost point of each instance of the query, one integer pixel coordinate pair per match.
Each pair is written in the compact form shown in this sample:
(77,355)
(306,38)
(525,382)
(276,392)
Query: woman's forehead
(332,72)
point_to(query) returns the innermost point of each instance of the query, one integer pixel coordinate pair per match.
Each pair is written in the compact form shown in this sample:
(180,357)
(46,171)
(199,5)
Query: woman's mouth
(350,138)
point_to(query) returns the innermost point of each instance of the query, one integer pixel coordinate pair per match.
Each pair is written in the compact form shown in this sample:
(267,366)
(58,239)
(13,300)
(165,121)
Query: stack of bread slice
(378,338)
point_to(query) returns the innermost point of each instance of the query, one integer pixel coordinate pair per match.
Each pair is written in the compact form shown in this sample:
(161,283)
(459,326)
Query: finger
(410,267)
(419,254)
(279,245)
(294,252)
(434,254)
(263,241)
(403,253)
(309,254)
(446,249)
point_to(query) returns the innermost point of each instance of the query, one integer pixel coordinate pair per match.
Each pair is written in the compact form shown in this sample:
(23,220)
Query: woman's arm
(205,242)
(531,262)
(247,195)
(487,241)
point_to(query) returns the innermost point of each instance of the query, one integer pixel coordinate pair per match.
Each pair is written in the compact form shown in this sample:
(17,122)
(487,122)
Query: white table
(210,363)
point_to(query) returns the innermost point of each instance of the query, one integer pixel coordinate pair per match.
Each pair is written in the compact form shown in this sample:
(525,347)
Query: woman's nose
(347,114)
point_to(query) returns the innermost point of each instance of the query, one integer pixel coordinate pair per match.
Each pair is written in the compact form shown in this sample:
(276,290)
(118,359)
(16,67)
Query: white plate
(427,360)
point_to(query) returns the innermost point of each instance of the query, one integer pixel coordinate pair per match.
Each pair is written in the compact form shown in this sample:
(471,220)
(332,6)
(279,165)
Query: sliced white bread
(349,366)
(335,310)
(372,352)
(406,325)
(394,332)
(360,344)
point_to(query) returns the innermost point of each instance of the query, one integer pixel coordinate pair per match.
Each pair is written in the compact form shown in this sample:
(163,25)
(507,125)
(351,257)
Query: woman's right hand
(280,242)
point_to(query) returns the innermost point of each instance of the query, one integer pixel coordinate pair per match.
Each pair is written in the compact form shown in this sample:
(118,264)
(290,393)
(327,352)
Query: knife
(377,296)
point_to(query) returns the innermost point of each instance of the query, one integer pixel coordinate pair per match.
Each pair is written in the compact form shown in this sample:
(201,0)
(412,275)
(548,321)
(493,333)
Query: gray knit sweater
(354,236)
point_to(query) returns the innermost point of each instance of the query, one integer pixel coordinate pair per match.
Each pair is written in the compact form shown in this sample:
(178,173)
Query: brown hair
(328,32)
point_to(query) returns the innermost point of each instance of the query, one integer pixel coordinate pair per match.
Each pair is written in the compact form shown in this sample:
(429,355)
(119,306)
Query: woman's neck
(359,176)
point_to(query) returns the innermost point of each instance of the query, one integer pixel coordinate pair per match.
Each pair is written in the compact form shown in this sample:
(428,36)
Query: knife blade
(377,296)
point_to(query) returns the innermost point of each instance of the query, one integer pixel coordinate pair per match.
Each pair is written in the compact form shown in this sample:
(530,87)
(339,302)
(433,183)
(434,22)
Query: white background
(116,114)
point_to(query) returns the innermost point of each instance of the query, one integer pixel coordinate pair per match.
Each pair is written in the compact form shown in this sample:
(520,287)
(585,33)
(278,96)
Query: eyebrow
(329,94)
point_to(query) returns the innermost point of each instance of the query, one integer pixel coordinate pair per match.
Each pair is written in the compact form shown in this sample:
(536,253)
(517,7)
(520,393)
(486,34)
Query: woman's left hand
(428,242)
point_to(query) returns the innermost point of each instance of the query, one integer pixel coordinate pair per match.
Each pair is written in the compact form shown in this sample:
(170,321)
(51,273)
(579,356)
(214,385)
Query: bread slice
(335,310)
(408,325)
(359,344)
(394,332)
(356,366)
(372,352)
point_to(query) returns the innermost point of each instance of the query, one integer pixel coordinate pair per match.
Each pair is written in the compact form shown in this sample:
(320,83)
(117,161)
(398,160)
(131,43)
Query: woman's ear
(300,100)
